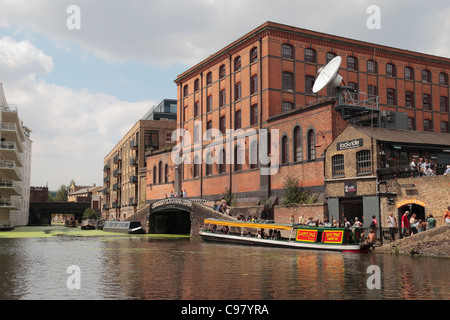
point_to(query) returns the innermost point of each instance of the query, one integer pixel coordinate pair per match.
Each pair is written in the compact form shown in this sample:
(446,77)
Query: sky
(82,76)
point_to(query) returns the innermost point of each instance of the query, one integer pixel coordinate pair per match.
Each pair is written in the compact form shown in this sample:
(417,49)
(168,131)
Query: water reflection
(141,267)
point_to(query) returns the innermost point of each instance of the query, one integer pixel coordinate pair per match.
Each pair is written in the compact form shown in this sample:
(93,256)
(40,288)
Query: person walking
(405,224)
(431,222)
(392,224)
(447,215)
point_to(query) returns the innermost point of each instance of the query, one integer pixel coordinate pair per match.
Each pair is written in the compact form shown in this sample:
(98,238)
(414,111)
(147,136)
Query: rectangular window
(151,140)
(222,125)
(208,131)
(237,120)
(254,114)
(427,125)
(364,162)
(338,165)
(426,102)
(443,102)
(222,98)
(288,81)
(444,126)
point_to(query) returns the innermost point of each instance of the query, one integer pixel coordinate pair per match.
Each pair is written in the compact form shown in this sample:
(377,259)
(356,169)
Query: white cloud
(72,130)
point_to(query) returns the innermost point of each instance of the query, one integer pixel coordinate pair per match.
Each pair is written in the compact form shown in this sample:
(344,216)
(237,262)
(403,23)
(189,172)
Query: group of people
(423,168)
(222,207)
(411,225)
(183,194)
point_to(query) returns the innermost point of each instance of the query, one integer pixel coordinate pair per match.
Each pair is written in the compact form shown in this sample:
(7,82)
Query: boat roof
(249,224)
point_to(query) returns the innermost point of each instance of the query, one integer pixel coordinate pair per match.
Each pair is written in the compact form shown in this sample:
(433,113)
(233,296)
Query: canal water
(143,267)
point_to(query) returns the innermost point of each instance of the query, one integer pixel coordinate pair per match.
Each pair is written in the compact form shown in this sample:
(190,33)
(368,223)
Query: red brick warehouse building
(264,80)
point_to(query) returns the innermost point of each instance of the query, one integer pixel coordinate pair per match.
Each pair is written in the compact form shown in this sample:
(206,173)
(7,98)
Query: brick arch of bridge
(41,212)
(180,215)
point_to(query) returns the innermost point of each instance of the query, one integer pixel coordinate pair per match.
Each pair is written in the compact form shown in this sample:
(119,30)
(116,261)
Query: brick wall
(282,214)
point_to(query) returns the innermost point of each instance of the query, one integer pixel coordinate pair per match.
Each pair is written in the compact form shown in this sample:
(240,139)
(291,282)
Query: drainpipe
(201,134)
(229,152)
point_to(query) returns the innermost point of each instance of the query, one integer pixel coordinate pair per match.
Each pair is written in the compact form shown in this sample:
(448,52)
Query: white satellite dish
(328,75)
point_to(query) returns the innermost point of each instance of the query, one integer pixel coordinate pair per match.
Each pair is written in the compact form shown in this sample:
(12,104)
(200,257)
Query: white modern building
(15,166)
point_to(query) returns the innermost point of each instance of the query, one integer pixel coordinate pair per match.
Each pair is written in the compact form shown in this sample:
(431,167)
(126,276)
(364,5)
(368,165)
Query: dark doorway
(170,222)
(351,209)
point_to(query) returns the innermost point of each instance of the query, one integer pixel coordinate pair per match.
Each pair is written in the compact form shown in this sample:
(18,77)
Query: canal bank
(432,243)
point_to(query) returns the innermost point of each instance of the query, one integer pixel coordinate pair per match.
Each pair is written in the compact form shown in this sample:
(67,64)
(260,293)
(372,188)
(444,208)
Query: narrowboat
(88,224)
(129,227)
(294,236)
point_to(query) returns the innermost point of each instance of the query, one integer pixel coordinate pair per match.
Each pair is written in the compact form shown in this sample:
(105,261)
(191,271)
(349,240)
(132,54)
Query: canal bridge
(41,211)
(180,215)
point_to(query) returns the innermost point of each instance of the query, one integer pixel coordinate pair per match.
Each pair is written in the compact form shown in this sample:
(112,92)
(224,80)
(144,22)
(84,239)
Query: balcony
(10,133)
(9,170)
(134,144)
(9,188)
(106,180)
(9,114)
(117,172)
(7,203)
(105,192)
(117,187)
(133,179)
(117,158)
(106,168)
(133,162)
(9,152)
(132,202)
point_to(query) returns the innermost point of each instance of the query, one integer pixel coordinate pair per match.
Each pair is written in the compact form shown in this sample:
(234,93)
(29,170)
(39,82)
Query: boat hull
(253,241)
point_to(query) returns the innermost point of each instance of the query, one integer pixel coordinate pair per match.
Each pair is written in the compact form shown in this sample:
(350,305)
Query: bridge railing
(187,202)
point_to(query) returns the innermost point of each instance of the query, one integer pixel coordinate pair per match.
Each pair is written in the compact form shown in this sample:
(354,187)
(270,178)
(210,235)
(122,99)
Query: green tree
(62,193)
(89,213)
(293,193)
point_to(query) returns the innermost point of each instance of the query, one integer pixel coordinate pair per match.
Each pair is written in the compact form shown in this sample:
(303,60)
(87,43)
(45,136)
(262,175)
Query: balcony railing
(10,184)
(117,158)
(117,172)
(10,165)
(9,204)
(133,179)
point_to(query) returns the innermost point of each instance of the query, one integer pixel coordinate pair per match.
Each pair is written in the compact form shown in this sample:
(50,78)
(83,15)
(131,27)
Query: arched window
(253,156)
(284,150)
(253,54)
(223,160)
(287,106)
(166,173)
(196,85)
(185,90)
(196,167)
(390,70)
(330,56)
(155,175)
(287,51)
(209,78)
(238,159)
(288,81)
(409,73)
(298,152)
(371,66)
(352,63)
(311,145)
(160,173)
(237,63)
(310,55)
(222,71)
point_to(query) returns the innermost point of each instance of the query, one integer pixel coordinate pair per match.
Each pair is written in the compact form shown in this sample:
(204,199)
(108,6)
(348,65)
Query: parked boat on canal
(88,224)
(129,227)
(299,236)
